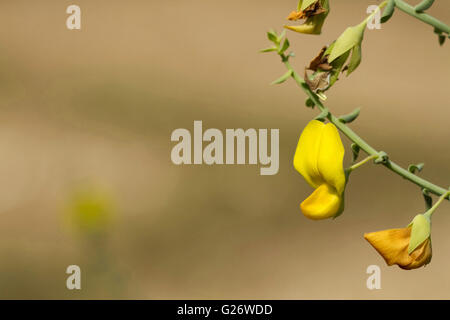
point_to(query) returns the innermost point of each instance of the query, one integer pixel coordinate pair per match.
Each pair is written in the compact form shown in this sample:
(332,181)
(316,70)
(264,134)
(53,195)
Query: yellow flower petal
(307,152)
(323,203)
(307,28)
(393,244)
(319,156)
(330,158)
(420,256)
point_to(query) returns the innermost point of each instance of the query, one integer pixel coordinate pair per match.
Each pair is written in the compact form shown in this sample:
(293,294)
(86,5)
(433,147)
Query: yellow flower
(318,159)
(91,210)
(314,13)
(400,247)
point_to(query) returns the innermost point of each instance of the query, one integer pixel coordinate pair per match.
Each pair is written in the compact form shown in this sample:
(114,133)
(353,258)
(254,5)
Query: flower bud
(314,12)
(409,247)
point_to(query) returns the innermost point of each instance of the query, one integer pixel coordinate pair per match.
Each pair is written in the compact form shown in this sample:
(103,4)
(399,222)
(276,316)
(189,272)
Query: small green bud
(349,39)
(413,168)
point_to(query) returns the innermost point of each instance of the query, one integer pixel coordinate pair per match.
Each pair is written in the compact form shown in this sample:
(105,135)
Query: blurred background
(85,124)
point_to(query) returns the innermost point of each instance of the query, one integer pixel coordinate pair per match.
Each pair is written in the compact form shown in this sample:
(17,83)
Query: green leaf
(309,103)
(281,36)
(388,11)
(306,3)
(338,64)
(355,151)
(416,167)
(427,198)
(268,49)
(350,117)
(283,78)
(329,49)
(351,37)
(272,36)
(420,231)
(424,5)
(285,46)
(441,39)
(355,60)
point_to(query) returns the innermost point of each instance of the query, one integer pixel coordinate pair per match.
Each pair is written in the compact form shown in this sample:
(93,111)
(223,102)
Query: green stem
(370,17)
(431,210)
(439,191)
(432,21)
(362,162)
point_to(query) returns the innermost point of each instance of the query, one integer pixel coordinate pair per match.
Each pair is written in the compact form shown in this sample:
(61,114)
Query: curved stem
(432,21)
(431,210)
(437,190)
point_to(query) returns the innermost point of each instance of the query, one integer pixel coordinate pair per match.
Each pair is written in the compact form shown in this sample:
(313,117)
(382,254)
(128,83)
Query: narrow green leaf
(350,117)
(441,39)
(424,5)
(355,60)
(306,3)
(281,36)
(337,64)
(272,36)
(283,78)
(268,49)
(416,167)
(285,46)
(355,151)
(388,11)
(427,198)
(420,231)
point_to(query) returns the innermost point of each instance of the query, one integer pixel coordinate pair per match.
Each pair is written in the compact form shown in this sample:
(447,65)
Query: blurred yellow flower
(318,159)
(91,210)
(394,245)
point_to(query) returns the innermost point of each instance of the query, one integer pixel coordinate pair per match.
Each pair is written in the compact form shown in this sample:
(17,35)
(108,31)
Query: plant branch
(424,184)
(439,25)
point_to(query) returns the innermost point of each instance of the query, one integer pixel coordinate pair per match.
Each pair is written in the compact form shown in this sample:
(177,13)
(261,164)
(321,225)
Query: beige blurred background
(96,107)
